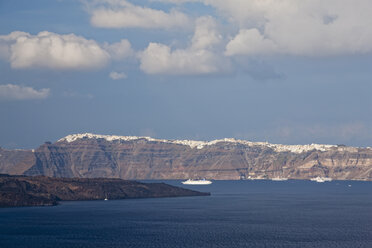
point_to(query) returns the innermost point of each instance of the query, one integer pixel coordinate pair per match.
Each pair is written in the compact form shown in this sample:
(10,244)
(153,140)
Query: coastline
(19,191)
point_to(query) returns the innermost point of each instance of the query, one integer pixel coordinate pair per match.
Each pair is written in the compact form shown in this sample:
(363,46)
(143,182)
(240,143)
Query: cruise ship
(321,179)
(197,182)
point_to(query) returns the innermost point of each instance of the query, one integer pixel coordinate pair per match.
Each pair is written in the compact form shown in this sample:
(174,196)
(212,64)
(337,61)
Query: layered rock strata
(131,157)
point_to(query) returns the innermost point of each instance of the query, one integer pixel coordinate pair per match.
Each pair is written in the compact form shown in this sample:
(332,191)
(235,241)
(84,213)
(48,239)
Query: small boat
(321,179)
(279,179)
(197,182)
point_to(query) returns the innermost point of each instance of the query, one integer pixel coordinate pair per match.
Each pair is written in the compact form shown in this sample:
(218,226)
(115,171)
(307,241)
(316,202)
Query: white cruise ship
(321,179)
(197,182)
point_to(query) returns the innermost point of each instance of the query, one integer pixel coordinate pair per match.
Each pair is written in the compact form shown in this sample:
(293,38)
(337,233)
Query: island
(17,191)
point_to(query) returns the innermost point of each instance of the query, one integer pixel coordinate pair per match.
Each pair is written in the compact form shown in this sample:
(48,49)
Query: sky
(289,71)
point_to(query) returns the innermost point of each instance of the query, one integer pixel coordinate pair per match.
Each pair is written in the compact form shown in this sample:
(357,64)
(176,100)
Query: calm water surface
(238,214)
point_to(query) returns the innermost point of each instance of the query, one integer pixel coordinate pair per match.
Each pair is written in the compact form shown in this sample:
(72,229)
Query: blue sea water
(237,214)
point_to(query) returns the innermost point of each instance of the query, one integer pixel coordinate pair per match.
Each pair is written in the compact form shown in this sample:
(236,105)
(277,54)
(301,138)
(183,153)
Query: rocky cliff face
(16,162)
(88,155)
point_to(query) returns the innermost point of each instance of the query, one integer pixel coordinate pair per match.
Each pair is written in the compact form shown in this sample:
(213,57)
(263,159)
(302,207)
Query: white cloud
(296,27)
(122,14)
(206,34)
(198,58)
(159,59)
(250,41)
(53,50)
(306,27)
(57,51)
(117,75)
(119,50)
(15,92)
(6,41)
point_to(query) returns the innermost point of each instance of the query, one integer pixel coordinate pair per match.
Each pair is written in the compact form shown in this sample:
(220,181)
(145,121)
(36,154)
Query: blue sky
(292,72)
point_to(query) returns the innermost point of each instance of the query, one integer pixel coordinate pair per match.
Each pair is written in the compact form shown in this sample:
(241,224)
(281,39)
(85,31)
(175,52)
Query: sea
(258,213)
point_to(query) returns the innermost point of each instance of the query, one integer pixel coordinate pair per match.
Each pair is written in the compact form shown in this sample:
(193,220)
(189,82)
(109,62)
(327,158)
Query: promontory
(16,191)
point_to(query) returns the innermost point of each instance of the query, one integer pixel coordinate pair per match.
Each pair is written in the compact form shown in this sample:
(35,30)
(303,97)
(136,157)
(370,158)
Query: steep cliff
(129,157)
(16,161)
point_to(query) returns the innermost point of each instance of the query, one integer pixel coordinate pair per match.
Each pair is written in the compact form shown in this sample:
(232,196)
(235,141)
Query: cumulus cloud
(206,34)
(59,51)
(160,59)
(296,27)
(15,92)
(122,14)
(117,75)
(6,41)
(119,50)
(47,49)
(250,42)
(306,28)
(198,58)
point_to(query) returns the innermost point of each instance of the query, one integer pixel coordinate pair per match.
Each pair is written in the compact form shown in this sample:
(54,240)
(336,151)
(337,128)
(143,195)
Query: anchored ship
(197,182)
(321,179)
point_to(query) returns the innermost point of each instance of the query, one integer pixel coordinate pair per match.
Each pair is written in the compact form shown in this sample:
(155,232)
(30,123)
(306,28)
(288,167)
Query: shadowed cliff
(45,191)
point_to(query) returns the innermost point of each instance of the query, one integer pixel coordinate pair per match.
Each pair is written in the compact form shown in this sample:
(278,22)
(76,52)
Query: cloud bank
(241,28)
(296,27)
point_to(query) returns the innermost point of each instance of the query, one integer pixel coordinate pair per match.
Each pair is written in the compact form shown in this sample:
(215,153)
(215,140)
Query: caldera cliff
(131,157)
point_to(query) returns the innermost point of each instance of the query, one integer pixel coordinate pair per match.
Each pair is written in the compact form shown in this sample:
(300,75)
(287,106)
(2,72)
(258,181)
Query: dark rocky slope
(145,158)
(43,191)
